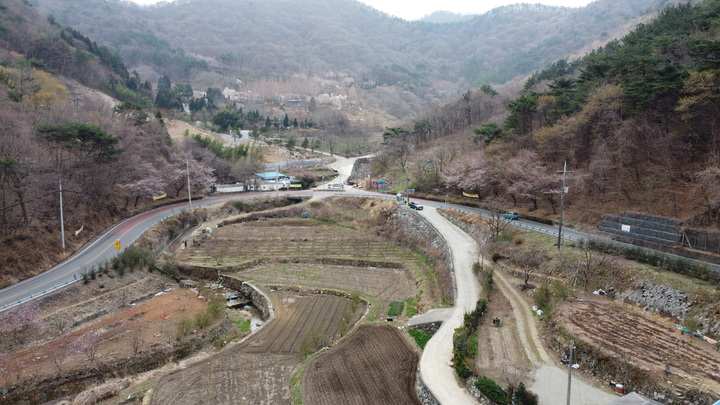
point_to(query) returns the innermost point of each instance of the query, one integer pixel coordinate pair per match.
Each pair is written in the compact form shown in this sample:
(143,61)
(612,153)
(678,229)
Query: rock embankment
(660,299)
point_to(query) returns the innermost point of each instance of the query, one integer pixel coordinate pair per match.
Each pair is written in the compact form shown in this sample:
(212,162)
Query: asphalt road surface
(100,250)
(436,362)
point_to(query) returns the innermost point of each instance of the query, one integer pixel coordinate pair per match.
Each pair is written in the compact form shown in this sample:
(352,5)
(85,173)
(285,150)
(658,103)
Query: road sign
(117,245)
(411,190)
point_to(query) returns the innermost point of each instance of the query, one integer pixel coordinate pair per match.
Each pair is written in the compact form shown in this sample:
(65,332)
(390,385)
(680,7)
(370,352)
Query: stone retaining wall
(431,327)
(259,299)
(424,395)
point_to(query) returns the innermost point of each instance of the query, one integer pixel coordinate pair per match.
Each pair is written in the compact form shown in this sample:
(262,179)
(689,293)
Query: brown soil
(150,325)
(258,370)
(643,339)
(304,245)
(385,285)
(501,355)
(375,365)
(177,128)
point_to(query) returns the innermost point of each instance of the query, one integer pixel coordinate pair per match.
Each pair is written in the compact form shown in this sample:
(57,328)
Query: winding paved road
(100,250)
(436,362)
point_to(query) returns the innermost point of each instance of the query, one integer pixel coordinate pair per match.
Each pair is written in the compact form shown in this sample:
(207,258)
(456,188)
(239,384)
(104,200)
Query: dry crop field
(289,237)
(309,253)
(644,340)
(376,365)
(385,285)
(258,370)
(300,254)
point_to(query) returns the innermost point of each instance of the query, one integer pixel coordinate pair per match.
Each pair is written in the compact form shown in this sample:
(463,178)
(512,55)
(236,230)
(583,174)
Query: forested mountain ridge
(112,157)
(282,38)
(636,121)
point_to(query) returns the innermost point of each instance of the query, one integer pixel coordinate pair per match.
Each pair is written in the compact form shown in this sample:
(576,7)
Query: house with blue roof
(269,181)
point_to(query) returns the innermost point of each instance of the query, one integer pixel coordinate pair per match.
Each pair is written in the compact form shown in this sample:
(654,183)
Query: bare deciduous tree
(60,324)
(88,344)
(529,261)
(20,321)
(136,338)
(588,266)
(496,221)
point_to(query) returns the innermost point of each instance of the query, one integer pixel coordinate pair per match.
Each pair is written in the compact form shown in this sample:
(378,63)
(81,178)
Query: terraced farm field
(373,366)
(306,254)
(258,370)
(644,340)
(273,238)
(383,284)
(312,254)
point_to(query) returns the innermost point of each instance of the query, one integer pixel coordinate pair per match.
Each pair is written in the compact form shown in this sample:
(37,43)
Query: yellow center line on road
(10,298)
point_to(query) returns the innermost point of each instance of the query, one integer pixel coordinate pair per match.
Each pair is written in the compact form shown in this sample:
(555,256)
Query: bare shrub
(88,344)
(21,321)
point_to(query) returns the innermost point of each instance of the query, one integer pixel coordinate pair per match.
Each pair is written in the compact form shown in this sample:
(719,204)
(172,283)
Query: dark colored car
(512,215)
(415,205)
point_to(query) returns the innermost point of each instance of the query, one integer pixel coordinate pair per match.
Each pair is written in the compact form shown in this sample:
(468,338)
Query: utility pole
(187,169)
(570,364)
(563,191)
(407,190)
(62,219)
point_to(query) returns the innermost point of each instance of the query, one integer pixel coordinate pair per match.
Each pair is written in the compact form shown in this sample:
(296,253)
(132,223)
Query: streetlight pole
(187,169)
(563,191)
(62,219)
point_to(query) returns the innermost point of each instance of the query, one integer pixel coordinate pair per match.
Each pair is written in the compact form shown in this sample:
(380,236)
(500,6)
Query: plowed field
(284,237)
(384,284)
(373,366)
(644,340)
(258,370)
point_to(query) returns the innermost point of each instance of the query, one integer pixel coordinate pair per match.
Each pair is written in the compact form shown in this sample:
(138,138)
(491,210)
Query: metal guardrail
(34,296)
(84,268)
(569,237)
(553,232)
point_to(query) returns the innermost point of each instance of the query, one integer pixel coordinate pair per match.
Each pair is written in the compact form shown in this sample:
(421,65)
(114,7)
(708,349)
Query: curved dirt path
(529,336)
